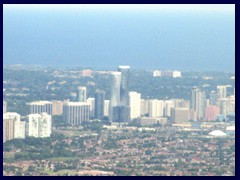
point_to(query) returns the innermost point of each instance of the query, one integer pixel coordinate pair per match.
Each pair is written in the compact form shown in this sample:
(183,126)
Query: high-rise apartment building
(91,102)
(135,104)
(81,94)
(13,127)
(213,98)
(198,102)
(38,107)
(156,108)
(75,113)
(106,107)
(99,104)
(39,125)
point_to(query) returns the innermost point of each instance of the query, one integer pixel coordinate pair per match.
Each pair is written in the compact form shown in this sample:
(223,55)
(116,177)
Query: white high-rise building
(39,125)
(91,102)
(13,127)
(4,107)
(156,108)
(135,104)
(106,107)
(38,107)
(227,105)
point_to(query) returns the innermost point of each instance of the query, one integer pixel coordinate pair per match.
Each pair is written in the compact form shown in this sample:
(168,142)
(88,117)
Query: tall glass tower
(99,104)
(124,88)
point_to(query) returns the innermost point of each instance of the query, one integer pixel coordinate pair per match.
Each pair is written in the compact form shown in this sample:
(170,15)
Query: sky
(166,37)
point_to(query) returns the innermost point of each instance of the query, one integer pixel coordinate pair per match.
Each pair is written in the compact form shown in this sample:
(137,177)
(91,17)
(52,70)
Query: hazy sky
(184,37)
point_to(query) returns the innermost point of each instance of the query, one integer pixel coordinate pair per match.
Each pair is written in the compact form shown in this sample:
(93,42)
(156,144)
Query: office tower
(156,108)
(115,92)
(57,107)
(222,91)
(213,98)
(4,107)
(39,125)
(212,112)
(106,108)
(144,107)
(81,94)
(168,105)
(180,115)
(38,107)
(124,88)
(91,102)
(120,113)
(192,115)
(75,113)
(13,127)
(99,104)
(198,103)
(134,104)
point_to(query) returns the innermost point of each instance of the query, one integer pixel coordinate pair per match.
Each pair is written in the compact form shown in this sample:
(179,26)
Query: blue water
(150,40)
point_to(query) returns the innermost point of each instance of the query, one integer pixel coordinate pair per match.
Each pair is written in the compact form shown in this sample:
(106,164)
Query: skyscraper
(99,104)
(120,113)
(115,92)
(198,102)
(124,88)
(135,104)
(81,94)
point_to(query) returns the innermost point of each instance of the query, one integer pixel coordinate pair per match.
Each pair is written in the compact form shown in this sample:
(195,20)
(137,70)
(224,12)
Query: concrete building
(13,127)
(75,113)
(38,107)
(57,107)
(106,107)
(212,112)
(173,74)
(134,104)
(81,94)
(156,108)
(91,102)
(180,115)
(99,104)
(213,98)
(39,125)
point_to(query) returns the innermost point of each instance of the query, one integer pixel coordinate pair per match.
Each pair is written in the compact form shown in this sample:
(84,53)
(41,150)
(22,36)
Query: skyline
(182,37)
